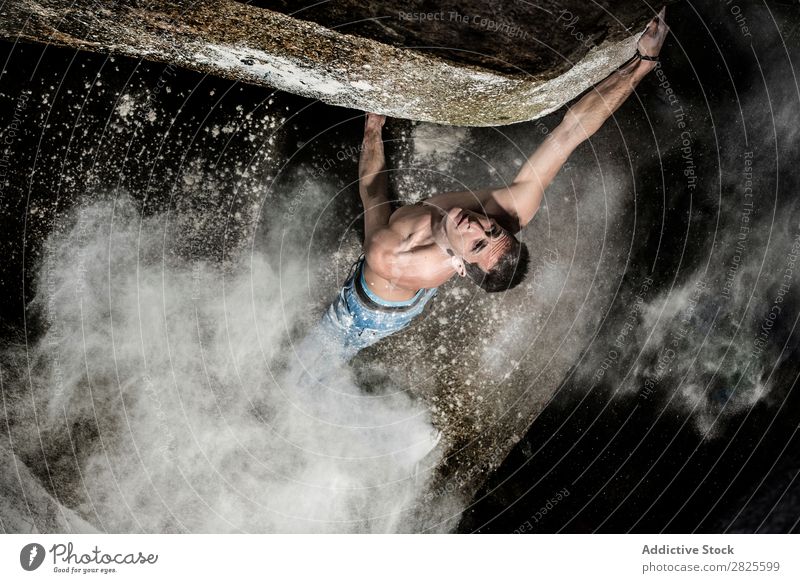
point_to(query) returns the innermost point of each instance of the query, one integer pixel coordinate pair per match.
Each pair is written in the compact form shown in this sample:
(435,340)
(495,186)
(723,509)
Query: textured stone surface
(265,47)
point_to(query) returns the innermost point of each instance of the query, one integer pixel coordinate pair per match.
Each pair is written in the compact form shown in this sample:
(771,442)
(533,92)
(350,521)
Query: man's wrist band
(646,57)
(640,56)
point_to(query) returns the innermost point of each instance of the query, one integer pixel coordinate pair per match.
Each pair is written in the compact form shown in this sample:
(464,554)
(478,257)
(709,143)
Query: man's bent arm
(372,179)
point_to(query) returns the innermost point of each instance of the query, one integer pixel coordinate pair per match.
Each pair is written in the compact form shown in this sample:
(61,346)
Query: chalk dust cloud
(163,398)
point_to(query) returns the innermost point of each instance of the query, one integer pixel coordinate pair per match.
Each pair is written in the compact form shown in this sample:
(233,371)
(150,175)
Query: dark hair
(507,273)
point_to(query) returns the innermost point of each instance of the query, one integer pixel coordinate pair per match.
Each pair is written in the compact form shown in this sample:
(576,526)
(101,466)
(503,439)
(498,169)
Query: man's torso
(426,264)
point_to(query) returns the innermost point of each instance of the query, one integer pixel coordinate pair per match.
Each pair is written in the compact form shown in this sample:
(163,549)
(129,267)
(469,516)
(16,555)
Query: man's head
(484,251)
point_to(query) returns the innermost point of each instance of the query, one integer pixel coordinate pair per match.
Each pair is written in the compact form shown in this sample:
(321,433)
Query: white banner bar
(382,558)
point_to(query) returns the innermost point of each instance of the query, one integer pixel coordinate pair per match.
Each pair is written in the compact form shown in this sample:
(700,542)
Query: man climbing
(408,253)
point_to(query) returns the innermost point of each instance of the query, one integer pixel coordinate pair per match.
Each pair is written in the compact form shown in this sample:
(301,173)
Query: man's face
(476,238)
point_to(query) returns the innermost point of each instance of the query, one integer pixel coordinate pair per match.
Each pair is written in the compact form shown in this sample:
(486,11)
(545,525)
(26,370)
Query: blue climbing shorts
(358,318)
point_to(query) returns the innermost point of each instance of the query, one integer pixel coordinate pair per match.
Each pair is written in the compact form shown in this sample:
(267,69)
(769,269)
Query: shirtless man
(408,253)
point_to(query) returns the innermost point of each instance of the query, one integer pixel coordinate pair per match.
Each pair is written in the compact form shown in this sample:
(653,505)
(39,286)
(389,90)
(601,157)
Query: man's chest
(412,224)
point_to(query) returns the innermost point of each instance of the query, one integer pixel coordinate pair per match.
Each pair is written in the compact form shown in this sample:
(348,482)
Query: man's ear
(458,265)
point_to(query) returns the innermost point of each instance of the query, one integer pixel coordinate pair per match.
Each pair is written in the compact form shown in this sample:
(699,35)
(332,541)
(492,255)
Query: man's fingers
(655,24)
(374,119)
(658,21)
(663,29)
(657,28)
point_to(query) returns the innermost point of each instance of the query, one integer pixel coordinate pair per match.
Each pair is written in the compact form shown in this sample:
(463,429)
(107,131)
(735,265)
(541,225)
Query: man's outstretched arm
(515,205)
(372,179)
(521,199)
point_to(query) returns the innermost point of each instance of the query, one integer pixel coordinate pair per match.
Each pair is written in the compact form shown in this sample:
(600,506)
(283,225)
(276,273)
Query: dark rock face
(533,38)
